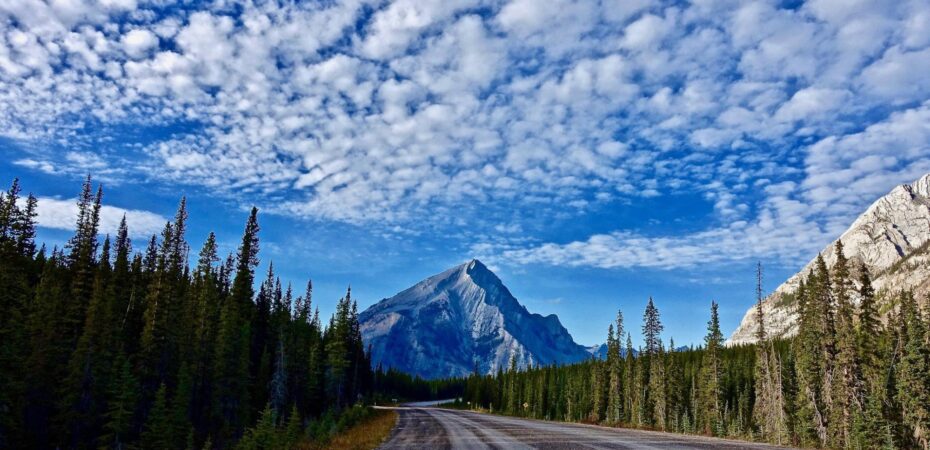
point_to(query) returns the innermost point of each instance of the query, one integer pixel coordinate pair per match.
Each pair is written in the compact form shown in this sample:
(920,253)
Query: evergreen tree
(653,368)
(630,393)
(868,330)
(598,389)
(120,406)
(709,416)
(658,385)
(846,395)
(159,432)
(231,363)
(769,411)
(82,262)
(17,253)
(814,351)
(615,368)
(89,366)
(913,372)
(652,328)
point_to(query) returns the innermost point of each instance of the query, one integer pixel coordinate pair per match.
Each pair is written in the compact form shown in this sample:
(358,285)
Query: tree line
(846,380)
(102,346)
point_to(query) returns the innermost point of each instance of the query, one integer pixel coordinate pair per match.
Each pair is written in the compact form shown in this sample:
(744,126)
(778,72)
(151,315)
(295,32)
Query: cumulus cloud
(137,43)
(401,112)
(61,215)
(842,175)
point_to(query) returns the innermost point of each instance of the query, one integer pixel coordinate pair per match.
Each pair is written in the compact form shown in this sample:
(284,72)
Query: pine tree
(913,372)
(278,388)
(632,392)
(814,354)
(82,261)
(17,251)
(871,426)
(653,368)
(598,388)
(231,363)
(615,368)
(159,432)
(337,352)
(847,386)
(868,330)
(658,388)
(709,416)
(121,404)
(652,328)
(769,411)
(293,430)
(676,408)
(89,366)
(261,352)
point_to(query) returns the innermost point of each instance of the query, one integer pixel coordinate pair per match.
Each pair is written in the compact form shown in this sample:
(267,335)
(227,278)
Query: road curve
(436,428)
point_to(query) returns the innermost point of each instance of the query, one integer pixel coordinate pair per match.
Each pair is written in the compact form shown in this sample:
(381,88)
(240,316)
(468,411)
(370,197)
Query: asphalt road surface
(435,428)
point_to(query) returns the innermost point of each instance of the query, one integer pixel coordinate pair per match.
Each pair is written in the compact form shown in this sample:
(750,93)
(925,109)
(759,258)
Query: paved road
(435,428)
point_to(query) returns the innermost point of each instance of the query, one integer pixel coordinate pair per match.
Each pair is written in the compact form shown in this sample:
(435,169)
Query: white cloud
(811,103)
(137,43)
(400,23)
(432,110)
(899,75)
(61,214)
(843,175)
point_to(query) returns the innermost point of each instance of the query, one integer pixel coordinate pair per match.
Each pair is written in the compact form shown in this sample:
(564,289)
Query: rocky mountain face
(891,239)
(447,324)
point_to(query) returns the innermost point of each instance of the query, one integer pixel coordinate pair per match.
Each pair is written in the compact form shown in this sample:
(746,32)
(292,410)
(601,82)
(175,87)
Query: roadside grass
(367,434)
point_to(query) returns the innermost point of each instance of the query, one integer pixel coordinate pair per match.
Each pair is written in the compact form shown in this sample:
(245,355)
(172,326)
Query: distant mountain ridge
(449,323)
(891,239)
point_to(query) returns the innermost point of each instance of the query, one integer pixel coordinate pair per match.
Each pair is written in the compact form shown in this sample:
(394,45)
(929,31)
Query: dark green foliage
(913,373)
(709,408)
(871,389)
(129,350)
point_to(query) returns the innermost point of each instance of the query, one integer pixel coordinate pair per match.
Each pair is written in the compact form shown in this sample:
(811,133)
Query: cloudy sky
(592,153)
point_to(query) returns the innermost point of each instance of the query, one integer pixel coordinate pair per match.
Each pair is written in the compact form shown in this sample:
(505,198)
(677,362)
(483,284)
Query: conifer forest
(847,380)
(108,343)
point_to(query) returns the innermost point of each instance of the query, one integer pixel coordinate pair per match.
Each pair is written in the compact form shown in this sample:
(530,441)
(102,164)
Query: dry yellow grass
(365,436)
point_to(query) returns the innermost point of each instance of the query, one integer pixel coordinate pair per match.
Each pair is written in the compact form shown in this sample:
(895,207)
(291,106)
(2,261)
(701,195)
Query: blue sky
(592,153)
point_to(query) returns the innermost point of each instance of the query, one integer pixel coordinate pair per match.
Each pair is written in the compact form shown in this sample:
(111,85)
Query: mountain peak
(896,227)
(480,274)
(922,186)
(446,324)
(475,264)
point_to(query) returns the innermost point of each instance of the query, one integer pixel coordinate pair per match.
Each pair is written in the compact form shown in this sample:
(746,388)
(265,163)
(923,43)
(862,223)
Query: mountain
(891,239)
(446,324)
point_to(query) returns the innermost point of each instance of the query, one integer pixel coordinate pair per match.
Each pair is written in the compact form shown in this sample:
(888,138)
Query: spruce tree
(847,386)
(615,368)
(913,372)
(769,410)
(630,394)
(658,388)
(121,405)
(159,432)
(867,332)
(81,264)
(231,362)
(598,388)
(17,259)
(709,415)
